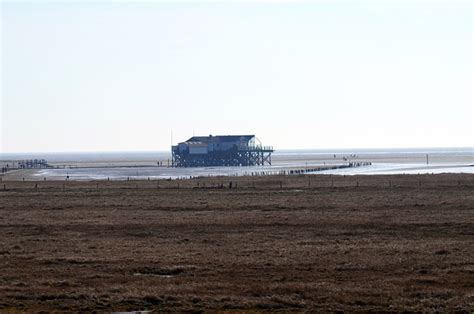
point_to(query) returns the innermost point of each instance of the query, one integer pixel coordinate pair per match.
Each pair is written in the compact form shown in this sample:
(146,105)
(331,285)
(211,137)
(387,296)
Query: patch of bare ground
(316,243)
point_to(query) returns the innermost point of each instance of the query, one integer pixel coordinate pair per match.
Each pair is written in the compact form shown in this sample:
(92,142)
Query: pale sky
(121,76)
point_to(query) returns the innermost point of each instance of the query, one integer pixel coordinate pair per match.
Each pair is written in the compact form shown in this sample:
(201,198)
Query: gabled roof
(221,138)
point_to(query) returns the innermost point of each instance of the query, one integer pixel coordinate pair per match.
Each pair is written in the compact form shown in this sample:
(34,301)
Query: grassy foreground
(292,243)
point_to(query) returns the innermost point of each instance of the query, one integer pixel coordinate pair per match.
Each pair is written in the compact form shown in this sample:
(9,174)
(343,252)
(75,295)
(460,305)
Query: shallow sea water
(143,165)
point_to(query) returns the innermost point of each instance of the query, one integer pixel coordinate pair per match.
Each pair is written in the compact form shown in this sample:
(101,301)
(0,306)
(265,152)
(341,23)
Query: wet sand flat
(293,243)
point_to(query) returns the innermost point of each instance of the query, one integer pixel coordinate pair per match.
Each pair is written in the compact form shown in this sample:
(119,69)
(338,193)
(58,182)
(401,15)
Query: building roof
(220,138)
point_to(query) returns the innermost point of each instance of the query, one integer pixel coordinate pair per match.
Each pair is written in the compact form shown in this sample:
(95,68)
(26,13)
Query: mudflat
(292,243)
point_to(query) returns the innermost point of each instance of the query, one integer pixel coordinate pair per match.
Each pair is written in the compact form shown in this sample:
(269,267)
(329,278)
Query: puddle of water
(133,312)
(156,275)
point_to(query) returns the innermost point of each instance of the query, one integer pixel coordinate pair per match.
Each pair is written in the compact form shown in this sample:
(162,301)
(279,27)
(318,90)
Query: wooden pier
(8,165)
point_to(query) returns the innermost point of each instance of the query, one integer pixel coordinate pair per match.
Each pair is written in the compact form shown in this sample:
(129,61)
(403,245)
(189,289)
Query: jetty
(9,165)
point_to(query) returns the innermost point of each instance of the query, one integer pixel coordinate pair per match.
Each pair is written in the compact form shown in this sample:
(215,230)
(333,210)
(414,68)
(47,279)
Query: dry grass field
(297,243)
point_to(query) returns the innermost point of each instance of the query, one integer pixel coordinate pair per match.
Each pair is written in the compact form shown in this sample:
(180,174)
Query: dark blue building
(221,150)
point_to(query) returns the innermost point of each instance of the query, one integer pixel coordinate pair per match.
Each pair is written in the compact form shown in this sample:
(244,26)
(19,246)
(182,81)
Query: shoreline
(124,173)
(301,180)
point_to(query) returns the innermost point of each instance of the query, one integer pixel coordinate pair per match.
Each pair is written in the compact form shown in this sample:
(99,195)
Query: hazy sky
(88,76)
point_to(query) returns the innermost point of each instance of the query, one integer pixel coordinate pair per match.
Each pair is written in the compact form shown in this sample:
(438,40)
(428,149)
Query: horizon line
(278,149)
